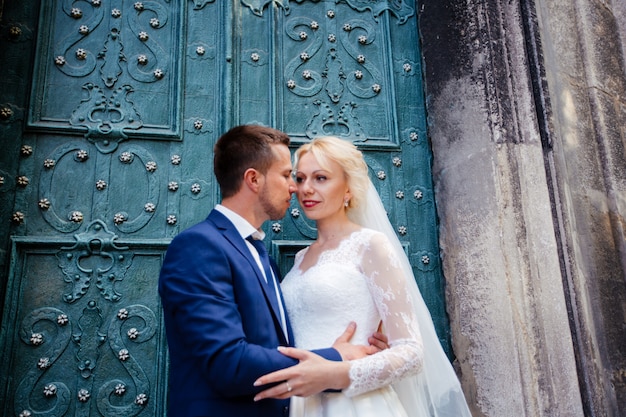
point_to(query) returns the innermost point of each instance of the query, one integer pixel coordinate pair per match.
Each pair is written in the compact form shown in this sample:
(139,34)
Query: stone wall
(528,124)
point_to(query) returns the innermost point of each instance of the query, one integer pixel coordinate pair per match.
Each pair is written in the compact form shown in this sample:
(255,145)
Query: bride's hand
(312,375)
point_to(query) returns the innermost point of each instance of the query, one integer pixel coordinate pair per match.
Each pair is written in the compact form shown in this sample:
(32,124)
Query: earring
(345,203)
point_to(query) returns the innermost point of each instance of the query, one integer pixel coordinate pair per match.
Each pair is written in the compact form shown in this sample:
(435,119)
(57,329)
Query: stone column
(502,260)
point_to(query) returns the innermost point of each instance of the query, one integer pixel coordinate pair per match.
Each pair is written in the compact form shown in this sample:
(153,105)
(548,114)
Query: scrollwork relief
(36,394)
(119,331)
(402,9)
(108,263)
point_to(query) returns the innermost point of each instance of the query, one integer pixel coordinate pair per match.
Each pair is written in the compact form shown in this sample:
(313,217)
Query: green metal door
(107,133)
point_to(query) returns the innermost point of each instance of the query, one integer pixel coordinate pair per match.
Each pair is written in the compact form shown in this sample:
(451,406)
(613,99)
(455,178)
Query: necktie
(269,278)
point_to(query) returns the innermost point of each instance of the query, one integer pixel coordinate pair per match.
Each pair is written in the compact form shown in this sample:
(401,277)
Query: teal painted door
(107,154)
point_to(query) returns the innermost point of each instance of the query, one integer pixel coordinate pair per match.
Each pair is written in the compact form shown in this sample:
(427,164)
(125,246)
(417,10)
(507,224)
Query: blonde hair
(345,154)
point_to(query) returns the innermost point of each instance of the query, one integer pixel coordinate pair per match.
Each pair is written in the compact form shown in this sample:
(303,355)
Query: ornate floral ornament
(425,259)
(6,113)
(151,166)
(122,314)
(399,194)
(141,399)
(36,339)
(43,363)
(295,213)
(123,355)
(172,186)
(81,54)
(116,13)
(101,185)
(396,161)
(120,389)
(76,216)
(155,23)
(120,218)
(413,136)
(83,29)
(82,155)
(196,188)
(18,217)
(176,159)
(44,204)
(402,230)
(132,333)
(142,59)
(171,219)
(149,207)
(76,13)
(22,181)
(62,319)
(25,413)
(15,31)
(83,395)
(138,6)
(26,150)
(418,194)
(49,163)
(200,50)
(126,157)
(50,390)
(381,175)
(276,227)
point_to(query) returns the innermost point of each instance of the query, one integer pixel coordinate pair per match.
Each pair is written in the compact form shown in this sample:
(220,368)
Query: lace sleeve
(388,288)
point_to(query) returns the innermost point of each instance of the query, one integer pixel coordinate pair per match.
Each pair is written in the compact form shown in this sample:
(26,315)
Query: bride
(356,270)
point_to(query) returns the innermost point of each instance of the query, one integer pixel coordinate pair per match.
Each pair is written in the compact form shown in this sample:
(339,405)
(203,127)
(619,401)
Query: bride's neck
(332,231)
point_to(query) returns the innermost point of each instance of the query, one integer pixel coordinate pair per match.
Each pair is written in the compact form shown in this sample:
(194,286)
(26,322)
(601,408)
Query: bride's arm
(388,287)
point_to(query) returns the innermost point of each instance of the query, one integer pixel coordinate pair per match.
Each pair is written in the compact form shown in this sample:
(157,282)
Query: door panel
(115,158)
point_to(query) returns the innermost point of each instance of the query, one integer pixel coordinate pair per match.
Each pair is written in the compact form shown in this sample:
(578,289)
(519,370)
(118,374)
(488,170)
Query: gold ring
(288,386)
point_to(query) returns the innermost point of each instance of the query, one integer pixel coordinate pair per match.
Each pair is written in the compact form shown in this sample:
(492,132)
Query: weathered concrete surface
(584,56)
(528,231)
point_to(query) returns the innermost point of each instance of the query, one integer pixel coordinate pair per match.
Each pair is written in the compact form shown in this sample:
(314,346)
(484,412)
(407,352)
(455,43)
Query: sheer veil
(436,390)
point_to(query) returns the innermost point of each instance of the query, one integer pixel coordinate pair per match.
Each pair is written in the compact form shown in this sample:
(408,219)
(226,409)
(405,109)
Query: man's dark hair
(243,147)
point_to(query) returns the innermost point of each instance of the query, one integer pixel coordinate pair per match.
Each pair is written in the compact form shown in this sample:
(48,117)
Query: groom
(223,310)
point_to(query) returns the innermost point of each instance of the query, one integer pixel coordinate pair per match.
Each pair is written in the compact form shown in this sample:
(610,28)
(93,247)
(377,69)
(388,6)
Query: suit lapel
(231,234)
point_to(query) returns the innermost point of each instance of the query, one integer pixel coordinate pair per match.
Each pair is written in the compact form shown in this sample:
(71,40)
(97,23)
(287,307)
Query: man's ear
(252,179)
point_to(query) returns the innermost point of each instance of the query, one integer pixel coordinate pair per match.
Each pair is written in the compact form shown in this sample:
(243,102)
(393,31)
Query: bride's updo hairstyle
(345,154)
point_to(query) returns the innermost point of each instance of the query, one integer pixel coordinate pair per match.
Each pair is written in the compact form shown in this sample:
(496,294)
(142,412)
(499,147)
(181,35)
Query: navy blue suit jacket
(222,332)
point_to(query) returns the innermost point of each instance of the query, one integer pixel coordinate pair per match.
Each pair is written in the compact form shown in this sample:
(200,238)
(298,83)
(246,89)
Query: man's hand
(312,375)
(378,341)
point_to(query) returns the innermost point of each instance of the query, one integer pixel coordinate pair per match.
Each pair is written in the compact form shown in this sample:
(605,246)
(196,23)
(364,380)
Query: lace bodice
(360,280)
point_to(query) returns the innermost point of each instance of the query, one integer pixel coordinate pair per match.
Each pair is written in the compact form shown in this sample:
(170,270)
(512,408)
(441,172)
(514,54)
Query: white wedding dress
(360,280)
